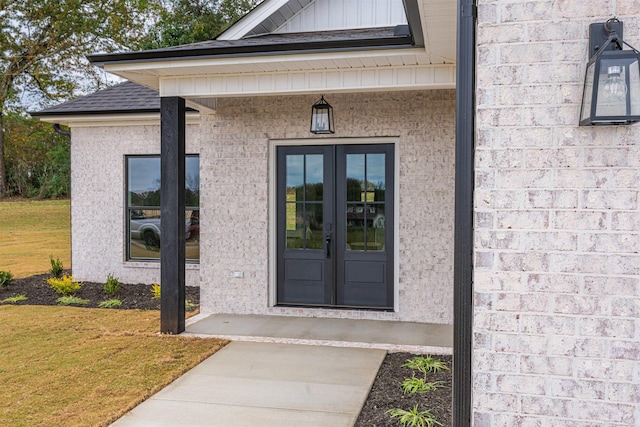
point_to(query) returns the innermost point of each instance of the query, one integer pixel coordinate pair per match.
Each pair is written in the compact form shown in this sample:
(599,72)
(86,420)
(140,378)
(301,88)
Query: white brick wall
(557,295)
(235,189)
(98,197)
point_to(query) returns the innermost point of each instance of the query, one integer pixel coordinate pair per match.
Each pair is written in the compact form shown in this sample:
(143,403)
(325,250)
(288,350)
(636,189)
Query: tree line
(43,44)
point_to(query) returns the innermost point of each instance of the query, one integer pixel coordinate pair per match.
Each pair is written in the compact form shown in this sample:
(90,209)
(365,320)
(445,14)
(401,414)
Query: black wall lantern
(322,117)
(612,84)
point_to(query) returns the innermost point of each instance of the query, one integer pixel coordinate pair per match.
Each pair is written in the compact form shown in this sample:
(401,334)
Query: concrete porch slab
(385,335)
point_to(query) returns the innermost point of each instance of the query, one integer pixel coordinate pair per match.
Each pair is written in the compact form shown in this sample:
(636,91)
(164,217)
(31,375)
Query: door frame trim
(273,226)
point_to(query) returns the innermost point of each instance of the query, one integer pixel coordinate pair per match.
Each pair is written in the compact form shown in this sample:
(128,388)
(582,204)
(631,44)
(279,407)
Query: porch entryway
(335,216)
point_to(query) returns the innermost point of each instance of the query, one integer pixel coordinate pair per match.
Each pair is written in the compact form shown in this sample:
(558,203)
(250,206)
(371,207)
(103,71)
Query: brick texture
(98,197)
(235,163)
(557,264)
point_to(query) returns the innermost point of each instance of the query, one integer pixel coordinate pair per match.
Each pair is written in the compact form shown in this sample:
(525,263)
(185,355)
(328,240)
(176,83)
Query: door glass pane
(375,228)
(366,182)
(314,171)
(296,227)
(314,226)
(376,179)
(355,178)
(304,207)
(355,226)
(295,172)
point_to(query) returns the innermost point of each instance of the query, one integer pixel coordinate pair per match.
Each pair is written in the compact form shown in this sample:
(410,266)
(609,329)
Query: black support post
(172,204)
(463,241)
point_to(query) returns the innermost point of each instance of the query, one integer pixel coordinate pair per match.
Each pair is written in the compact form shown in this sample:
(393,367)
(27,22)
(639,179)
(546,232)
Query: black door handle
(328,242)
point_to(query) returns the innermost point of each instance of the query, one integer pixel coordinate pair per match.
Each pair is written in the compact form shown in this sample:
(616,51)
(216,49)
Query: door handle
(328,242)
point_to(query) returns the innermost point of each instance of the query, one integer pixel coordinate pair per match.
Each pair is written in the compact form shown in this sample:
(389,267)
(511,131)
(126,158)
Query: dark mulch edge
(137,296)
(387,394)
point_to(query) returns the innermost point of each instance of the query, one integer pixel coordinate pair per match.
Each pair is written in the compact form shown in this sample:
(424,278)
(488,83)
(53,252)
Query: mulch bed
(133,296)
(385,393)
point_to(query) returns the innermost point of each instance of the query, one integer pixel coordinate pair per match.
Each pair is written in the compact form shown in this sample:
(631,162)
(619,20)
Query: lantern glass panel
(588,91)
(321,123)
(634,87)
(612,88)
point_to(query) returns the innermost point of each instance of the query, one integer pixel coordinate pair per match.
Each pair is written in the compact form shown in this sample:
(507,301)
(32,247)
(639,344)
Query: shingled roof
(127,97)
(366,38)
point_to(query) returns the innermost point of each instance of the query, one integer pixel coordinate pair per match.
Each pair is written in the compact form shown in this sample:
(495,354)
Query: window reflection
(143,206)
(304,201)
(365,209)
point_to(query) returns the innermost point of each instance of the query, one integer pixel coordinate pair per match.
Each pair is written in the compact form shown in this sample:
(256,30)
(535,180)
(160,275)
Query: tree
(43,43)
(190,21)
(37,158)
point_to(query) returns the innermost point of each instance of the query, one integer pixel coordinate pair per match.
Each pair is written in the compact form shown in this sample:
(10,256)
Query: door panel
(305,201)
(335,234)
(364,194)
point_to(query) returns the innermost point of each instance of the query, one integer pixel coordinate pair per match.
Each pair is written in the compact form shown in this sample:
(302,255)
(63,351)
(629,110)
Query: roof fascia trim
(115,119)
(254,50)
(412,11)
(43,114)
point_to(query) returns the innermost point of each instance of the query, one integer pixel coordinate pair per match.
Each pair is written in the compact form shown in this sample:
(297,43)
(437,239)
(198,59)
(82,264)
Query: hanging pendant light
(322,117)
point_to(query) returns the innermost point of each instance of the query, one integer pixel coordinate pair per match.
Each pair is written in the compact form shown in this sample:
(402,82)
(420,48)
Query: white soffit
(388,69)
(439,26)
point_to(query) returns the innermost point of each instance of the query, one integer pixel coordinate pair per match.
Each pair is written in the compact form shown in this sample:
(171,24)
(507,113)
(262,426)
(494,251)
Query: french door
(335,219)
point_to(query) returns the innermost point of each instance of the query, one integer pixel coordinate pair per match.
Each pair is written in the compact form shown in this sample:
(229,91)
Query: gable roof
(292,16)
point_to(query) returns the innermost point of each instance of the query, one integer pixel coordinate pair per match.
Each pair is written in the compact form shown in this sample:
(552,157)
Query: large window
(144,240)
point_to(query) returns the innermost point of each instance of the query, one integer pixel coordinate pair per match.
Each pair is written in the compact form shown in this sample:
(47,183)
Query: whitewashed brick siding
(557,217)
(98,201)
(235,189)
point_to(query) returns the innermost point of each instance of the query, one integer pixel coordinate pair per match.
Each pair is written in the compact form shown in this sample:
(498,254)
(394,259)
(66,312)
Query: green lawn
(30,231)
(64,366)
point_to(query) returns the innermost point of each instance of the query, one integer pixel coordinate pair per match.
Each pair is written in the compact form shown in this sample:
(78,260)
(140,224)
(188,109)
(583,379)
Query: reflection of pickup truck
(148,229)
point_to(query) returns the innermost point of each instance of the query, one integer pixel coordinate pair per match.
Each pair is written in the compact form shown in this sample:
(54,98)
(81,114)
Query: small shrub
(64,285)
(418,385)
(155,288)
(5,279)
(426,364)
(189,306)
(71,300)
(112,286)
(414,417)
(56,266)
(110,303)
(13,300)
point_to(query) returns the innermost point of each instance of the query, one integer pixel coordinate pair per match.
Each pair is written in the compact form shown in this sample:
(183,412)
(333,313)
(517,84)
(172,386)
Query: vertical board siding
(322,15)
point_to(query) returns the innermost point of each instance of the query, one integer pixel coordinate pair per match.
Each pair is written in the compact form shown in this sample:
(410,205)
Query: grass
(68,366)
(31,231)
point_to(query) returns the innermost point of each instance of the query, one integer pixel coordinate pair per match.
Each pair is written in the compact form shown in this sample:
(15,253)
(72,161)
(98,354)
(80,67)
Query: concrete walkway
(266,384)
